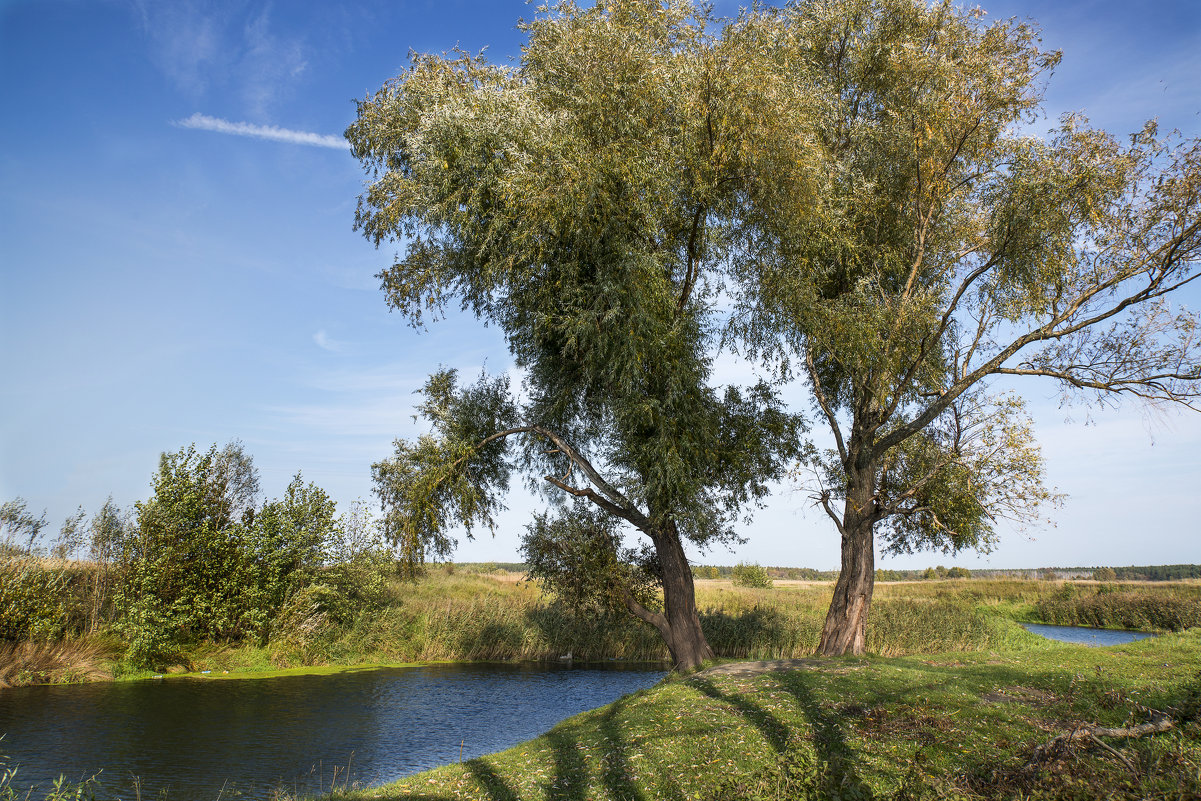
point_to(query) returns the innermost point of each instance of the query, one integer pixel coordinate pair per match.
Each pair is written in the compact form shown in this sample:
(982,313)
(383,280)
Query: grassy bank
(468,616)
(958,725)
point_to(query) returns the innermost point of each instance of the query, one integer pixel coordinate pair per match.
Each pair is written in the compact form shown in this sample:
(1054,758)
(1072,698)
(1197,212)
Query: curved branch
(1047,332)
(608,498)
(630,515)
(656,619)
(825,407)
(1137,387)
(824,498)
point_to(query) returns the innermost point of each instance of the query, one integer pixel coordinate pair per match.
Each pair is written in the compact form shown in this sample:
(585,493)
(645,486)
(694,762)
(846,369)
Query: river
(1082,635)
(199,739)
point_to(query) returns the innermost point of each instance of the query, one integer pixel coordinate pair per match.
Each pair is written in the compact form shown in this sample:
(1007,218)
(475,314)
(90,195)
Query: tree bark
(682,632)
(846,622)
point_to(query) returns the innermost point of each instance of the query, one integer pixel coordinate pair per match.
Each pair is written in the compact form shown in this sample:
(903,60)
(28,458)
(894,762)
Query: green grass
(954,725)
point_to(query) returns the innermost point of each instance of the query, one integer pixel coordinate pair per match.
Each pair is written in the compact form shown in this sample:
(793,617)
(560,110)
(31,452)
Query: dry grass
(62,662)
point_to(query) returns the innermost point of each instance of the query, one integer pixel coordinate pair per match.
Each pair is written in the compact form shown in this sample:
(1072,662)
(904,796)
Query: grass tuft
(62,662)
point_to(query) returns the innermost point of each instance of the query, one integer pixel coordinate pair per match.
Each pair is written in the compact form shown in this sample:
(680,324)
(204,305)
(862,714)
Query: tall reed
(1117,607)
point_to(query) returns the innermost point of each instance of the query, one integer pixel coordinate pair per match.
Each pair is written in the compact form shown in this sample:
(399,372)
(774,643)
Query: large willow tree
(929,253)
(583,203)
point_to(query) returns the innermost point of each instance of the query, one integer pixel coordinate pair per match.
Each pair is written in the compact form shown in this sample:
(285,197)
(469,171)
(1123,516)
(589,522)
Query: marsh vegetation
(475,613)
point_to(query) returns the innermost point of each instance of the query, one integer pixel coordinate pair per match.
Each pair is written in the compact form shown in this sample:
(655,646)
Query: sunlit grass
(958,725)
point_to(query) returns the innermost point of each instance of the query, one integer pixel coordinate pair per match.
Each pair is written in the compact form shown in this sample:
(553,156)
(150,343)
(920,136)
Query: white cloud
(204,46)
(203,122)
(185,43)
(325,343)
(270,65)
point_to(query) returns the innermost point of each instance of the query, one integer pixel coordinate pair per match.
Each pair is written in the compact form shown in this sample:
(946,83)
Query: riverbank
(472,616)
(951,725)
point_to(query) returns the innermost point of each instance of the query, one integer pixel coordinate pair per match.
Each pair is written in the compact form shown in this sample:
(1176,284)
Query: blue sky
(178,265)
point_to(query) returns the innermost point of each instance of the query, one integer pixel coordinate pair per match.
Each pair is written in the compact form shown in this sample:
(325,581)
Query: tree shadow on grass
(487,777)
(570,780)
(836,761)
(616,768)
(775,732)
(571,775)
(836,772)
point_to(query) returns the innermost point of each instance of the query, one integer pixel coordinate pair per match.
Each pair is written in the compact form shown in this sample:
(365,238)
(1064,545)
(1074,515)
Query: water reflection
(200,738)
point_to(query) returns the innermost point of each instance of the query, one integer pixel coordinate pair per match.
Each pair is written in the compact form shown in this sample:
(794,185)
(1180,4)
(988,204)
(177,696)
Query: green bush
(203,565)
(34,598)
(190,572)
(751,576)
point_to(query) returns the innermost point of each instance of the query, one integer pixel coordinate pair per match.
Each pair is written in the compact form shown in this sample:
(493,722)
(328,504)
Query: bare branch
(824,498)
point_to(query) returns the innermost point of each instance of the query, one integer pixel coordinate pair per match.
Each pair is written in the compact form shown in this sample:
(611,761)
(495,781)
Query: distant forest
(1130,573)
(1158,572)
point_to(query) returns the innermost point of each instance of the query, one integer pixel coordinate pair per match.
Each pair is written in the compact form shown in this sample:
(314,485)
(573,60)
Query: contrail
(204,122)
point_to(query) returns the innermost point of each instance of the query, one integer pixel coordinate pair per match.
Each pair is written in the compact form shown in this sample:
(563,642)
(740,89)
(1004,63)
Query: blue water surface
(1082,635)
(198,739)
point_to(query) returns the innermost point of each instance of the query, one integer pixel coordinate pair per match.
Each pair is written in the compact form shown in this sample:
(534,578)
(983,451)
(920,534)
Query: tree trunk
(679,624)
(687,642)
(846,622)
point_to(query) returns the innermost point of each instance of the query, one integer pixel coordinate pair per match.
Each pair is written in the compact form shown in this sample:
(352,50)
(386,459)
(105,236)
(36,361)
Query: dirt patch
(758,668)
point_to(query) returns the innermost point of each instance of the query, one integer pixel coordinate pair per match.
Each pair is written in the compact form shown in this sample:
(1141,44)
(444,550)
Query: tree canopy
(846,190)
(934,250)
(583,203)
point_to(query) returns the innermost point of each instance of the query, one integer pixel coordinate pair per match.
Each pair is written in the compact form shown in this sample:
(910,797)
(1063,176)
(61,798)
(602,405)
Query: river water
(1082,635)
(197,739)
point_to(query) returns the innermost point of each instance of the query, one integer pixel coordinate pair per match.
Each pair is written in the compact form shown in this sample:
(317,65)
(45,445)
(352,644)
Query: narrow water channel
(1082,635)
(197,739)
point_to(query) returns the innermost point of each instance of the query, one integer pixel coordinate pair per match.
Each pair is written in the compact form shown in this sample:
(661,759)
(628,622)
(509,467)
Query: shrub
(751,576)
(34,596)
(286,545)
(190,571)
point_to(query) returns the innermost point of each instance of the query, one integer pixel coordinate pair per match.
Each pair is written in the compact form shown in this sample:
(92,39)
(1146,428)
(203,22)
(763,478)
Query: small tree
(287,545)
(579,558)
(71,537)
(20,528)
(754,576)
(189,571)
(111,536)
